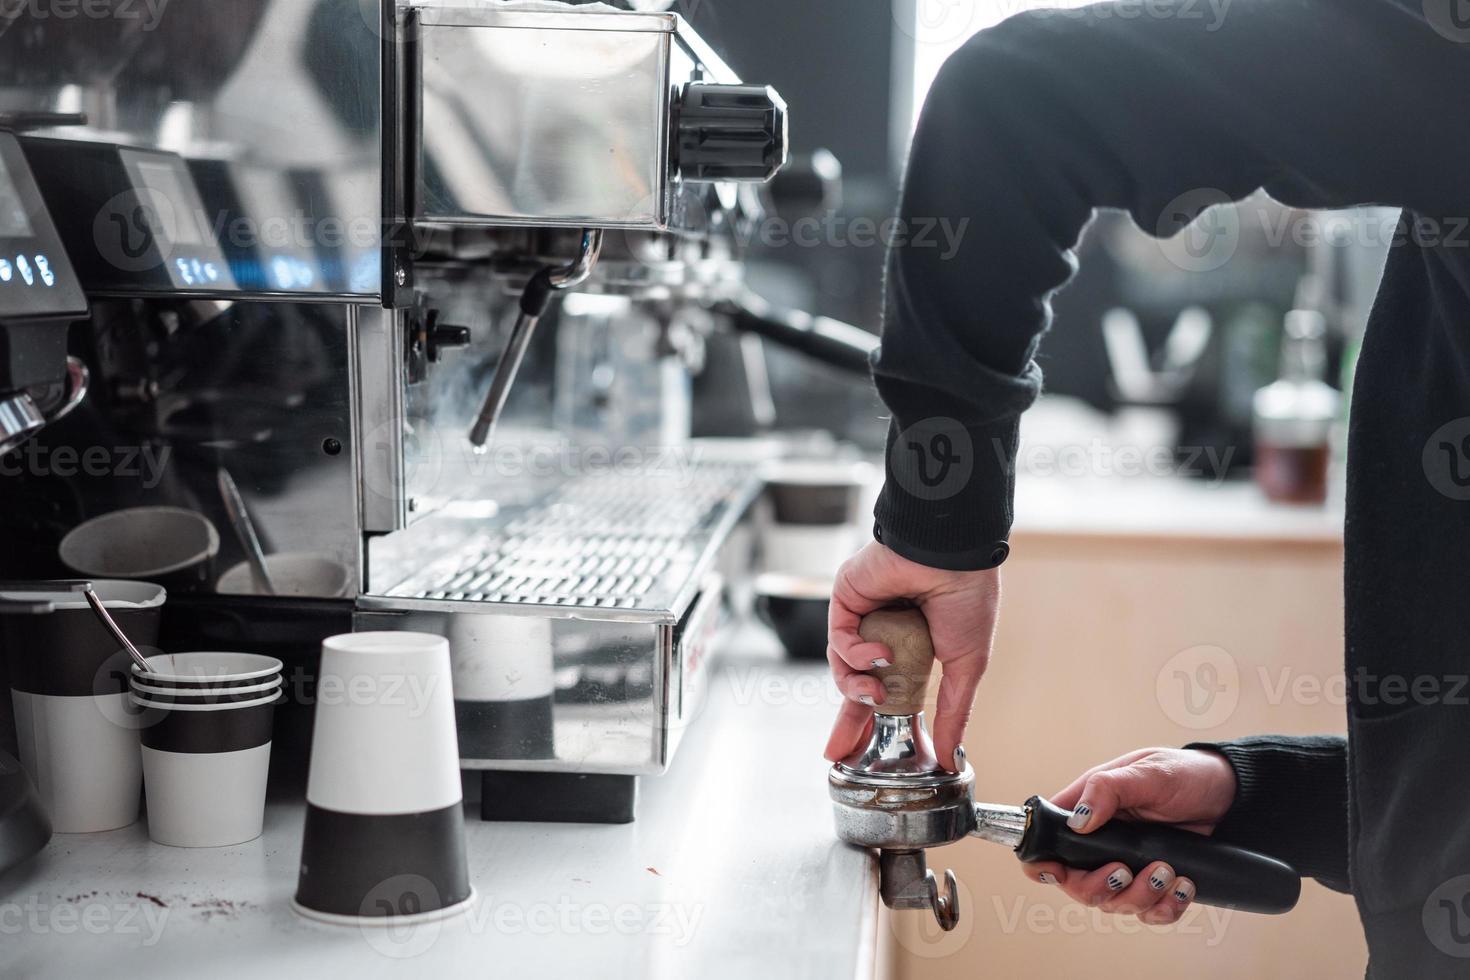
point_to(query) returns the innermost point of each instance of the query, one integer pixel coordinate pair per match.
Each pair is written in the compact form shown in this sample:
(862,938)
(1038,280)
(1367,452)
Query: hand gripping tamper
(893,795)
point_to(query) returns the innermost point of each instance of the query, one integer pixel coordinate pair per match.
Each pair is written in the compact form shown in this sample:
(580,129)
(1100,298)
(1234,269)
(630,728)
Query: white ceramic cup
(205,768)
(807,550)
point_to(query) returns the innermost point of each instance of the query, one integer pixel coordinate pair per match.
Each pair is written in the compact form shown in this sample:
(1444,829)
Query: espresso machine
(427,282)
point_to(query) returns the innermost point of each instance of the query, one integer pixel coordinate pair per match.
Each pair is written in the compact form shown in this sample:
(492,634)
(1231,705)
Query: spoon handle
(113,628)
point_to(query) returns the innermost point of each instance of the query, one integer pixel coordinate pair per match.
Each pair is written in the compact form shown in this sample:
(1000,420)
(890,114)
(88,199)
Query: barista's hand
(961,608)
(1189,788)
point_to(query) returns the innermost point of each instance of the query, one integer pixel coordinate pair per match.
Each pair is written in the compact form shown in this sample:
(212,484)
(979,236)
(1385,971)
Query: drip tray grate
(610,542)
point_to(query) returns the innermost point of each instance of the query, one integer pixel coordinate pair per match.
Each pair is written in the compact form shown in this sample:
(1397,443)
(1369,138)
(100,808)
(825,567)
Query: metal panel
(543,125)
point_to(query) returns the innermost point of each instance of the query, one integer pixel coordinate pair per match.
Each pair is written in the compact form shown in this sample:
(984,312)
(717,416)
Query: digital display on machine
(13,220)
(180,224)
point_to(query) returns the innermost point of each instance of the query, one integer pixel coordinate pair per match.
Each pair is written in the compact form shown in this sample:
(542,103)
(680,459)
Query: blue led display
(6,270)
(25,270)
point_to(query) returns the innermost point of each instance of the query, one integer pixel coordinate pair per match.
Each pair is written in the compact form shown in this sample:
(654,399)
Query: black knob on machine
(731,132)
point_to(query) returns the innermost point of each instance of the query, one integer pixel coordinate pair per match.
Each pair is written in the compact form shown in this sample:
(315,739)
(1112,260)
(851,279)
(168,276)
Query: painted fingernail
(880,663)
(959,759)
(1162,877)
(866,699)
(1184,891)
(1080,816)
(1047,878)
(1120,879)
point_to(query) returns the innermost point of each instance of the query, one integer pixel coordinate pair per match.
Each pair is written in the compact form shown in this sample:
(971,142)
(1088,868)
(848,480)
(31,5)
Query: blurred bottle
(1294,417)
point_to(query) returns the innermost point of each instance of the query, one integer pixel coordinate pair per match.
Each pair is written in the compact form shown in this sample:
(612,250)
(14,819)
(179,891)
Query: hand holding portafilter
(893,795)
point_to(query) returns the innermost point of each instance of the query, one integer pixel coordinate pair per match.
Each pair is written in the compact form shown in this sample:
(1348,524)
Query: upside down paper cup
(384,835)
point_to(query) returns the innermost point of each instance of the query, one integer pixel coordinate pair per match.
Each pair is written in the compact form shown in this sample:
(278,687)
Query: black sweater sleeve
(1290,802)
(1041,120)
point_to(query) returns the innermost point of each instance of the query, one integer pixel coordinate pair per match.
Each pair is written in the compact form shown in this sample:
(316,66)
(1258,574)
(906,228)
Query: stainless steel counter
(730,871)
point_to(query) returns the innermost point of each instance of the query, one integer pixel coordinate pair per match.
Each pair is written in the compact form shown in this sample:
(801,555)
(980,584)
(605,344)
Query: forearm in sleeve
(1290,802)
(1041,120)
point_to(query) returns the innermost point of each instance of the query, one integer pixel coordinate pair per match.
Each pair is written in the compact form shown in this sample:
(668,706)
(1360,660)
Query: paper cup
(504,686)
(384,836)
(292,573)
(76,735)
(207,669)
(807,550)
(205,768)
(215,695)
(160,543)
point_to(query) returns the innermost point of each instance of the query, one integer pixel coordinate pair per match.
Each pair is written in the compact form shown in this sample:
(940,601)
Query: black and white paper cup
(162,544)
(205,669)
(76,734)
(384,836)
(504,686)
(205,768)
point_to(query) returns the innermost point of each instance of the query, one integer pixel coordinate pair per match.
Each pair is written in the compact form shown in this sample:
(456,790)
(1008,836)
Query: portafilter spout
(534,303)
(892,794)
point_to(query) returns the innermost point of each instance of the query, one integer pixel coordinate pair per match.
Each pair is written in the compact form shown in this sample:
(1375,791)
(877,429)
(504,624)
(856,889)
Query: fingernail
(959,759)
(1162,877)
(1120,879)
(1047,878)
(1080,816)
(1184,891)
(866,699)
(880,663)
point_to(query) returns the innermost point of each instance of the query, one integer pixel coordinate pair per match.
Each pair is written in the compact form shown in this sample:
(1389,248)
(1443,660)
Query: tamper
(893,795)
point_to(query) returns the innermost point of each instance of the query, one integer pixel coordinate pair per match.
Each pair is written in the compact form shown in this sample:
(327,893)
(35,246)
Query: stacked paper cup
(206,733)
(384,836)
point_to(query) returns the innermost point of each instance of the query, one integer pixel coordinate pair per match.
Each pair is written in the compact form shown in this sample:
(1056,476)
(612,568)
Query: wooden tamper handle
(906,633)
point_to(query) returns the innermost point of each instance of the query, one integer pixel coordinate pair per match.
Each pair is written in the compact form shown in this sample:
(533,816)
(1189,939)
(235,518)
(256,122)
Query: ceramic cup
(814,523)
(205,767)
(76,733)
(384,836)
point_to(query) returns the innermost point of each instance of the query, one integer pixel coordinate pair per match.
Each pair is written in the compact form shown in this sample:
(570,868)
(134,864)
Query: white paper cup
(205,768)
(205,695)
(76,736)
(158,543)
(807,550)
(384,836)
(206,669)
(504,686)
(292,573)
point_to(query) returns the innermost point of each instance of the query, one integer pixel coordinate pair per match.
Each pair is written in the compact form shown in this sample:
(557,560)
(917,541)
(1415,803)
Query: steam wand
(534,303)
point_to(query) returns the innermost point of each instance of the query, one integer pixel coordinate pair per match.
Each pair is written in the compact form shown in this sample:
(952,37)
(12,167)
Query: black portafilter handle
(827,341)
(1224,875)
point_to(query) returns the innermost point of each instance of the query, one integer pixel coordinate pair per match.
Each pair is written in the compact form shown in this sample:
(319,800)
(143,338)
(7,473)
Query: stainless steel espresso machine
(427,282)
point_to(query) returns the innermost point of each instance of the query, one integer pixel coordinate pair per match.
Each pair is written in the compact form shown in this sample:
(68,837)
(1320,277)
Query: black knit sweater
(1038,122)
